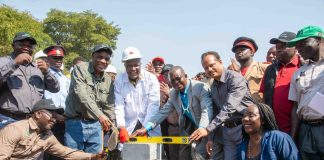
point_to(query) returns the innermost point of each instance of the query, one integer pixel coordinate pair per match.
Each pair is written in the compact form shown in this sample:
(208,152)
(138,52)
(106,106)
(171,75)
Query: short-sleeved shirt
(306,82)
(282,107)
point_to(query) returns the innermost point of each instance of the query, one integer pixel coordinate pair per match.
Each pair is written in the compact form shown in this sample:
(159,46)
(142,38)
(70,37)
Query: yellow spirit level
(160,140)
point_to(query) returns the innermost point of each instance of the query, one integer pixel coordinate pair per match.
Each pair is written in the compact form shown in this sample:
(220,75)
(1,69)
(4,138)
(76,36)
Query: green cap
(306,32)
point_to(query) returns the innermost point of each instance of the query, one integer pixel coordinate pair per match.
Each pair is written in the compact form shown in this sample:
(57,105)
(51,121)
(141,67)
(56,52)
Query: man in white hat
(111,70)
(137,96)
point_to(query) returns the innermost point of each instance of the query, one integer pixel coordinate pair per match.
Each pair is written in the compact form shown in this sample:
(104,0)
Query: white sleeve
(153,98)
(119,103)
(293,92)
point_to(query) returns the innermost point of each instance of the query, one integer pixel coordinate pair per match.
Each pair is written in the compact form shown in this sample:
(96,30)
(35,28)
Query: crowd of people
(248,110)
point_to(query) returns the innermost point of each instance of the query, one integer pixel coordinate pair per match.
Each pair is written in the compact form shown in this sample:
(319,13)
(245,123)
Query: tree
(12,21)
(79,32)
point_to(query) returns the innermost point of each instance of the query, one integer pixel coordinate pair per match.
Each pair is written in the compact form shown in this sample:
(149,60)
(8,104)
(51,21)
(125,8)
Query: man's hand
(104,123)
(164,88)
(99,156)
(123,135)
(234,66)
(149,67)
(43,66)
(197,134)
(209,147)
(23,58)
(139,132)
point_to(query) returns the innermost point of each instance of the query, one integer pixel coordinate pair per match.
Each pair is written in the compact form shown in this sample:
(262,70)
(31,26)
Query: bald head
(177,69)
(271,54)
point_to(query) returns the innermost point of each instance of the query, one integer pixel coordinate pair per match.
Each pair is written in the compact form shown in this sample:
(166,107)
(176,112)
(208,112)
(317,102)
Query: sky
(181,30)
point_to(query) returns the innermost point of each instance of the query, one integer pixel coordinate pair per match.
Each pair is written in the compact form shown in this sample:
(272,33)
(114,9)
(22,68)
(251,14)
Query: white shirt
(59,97)
(137,103)
(305,83)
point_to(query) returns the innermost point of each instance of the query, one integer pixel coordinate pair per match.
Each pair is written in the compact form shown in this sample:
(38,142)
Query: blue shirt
(59,97)
(185,104)
(275,145)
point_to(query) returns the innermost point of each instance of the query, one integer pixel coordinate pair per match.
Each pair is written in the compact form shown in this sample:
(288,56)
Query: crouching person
(27,139)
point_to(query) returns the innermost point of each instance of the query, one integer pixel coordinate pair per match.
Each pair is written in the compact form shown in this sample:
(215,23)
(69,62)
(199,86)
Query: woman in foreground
(261,138)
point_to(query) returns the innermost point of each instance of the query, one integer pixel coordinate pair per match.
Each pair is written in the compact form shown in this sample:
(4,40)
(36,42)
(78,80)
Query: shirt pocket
(27,145)
(15,82)
(104,96)
(90,89)
(38,83)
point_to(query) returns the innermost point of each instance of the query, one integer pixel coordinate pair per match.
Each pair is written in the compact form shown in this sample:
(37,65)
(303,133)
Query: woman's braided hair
(267,118)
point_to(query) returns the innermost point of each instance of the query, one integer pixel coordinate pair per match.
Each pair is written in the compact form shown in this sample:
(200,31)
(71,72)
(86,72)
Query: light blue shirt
(59,97)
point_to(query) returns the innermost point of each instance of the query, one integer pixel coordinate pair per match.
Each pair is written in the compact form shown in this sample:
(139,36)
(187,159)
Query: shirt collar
(294,61)
(92,71)
(56,71)
(222,79)
(32,124)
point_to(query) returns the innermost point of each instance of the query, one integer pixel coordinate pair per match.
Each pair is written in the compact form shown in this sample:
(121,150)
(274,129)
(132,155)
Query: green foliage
(12,21)
(79,32)
(76,32)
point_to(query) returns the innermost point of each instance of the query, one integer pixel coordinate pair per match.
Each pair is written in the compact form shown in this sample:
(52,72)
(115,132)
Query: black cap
(100,47)
(47,104)
(24,35)
(48,49)
(284,37)
(242,39)
(166,67)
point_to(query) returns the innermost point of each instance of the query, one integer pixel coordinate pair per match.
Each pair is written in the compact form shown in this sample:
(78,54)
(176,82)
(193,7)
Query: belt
(313,122)
(16,116)
(82,119)
(232,124)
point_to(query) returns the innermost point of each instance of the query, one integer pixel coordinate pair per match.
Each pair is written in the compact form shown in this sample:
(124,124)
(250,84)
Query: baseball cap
(55,50)
(47,104)
(166,68)
(100,47)
(284,37)
(245,41)
(158,59)
(24,35)
(306,32)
